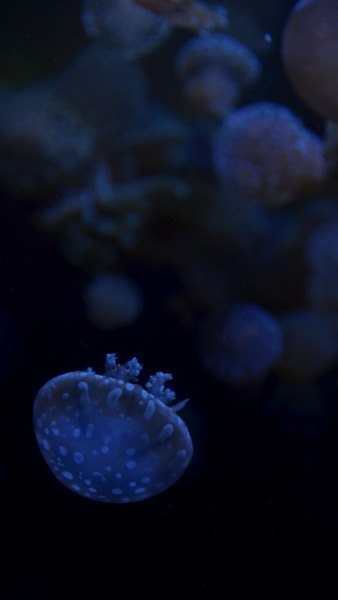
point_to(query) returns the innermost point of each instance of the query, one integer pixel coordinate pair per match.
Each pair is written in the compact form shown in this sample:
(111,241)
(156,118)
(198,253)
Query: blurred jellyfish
(108,92)
(309,346)
(129,28)
(189,14)
(265,151)
(242,346)
(310,47)
(215,69)
(112,300)
(104,219)
(43,140)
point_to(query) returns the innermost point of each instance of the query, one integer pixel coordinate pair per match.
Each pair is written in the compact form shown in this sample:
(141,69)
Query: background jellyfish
(215,68)
(242,346)
(112,300)
(128,27)
(309,53)
(189,14)
(258,505)
(266,152)
(43,139)
(108,92)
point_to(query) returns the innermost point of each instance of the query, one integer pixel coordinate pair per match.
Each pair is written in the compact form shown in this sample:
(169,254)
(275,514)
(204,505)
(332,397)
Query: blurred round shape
(240,347)
(189,14)
(112,300)
(215,69)
(265,151)
(309,346)
(43,141)
(309,52)
(107,91)
(218,49)
(130,29)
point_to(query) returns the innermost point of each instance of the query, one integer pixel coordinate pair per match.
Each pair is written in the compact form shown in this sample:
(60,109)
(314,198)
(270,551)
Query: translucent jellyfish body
(112,300)
(108,92)
(215,69)
(242,346)
(310,47)
(189,14)
(43,140)
(107,438)
(266,152)
(128,27)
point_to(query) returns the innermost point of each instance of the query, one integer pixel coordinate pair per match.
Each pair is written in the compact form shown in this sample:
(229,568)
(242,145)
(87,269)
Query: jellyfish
(112,300)
(109,93)
(43,139)
(309,52)
(242,346)
(265,151)
(108,438)
(129,28)
(188,14)
(215,69)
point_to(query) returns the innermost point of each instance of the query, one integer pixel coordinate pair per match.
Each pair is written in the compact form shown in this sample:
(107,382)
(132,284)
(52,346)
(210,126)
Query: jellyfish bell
(215,69)
(264,151)
(108,438)
(241,346)
(309,53)
(188,14)
(112,300)
(126,26)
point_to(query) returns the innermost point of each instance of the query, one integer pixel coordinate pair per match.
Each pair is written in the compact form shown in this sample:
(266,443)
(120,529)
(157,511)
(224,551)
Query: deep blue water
(256,513)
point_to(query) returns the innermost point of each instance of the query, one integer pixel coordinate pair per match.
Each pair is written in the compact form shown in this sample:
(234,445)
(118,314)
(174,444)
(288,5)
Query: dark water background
(256,514)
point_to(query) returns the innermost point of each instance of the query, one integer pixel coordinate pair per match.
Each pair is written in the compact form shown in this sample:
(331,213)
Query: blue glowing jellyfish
(109,439)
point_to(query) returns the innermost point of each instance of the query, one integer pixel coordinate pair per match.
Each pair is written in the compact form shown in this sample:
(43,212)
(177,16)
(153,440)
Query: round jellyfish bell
(107,438)
(188,14)
(131,29)
(309,52)
(112,300)
(242,346)
(264,151)
(215,69)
